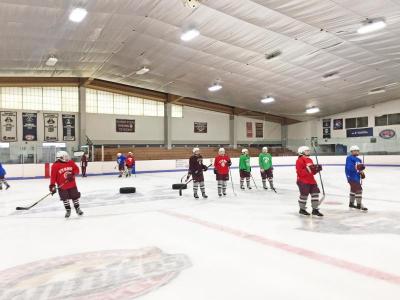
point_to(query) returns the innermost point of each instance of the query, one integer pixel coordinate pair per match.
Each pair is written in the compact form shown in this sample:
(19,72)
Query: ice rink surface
(156,245)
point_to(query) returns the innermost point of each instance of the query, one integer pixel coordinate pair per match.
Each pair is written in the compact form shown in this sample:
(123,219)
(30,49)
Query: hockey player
(84,164)
(355,172)
(196,168)
(130,163)
(121,164)
(265,163)
(306,170)
(222,163)
(2,178)
(245,169)
(63,173)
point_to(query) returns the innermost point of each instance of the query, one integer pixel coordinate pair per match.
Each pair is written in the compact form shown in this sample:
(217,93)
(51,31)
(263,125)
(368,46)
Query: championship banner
(29,126)
(68,122)
(200,127)
(124,125)
(249,129)
(360,132)
(8,121)
(50,127)
(259,130)
(326,128)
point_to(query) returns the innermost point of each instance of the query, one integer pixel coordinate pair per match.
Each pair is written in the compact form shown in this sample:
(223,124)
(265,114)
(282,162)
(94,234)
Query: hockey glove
(315,169)
(52,189)
(215,172)
(229,163)
(360,167)
(205,168)
(362,175)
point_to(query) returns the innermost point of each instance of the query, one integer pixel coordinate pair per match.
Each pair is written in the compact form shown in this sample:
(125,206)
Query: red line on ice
(326,259)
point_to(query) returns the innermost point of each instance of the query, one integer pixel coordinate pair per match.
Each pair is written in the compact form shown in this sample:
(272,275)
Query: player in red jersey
(222,162)
(306,170)
(63,173)
(130,164)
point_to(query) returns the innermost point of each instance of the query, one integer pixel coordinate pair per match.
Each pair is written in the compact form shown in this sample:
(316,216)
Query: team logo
(29,137)
(113,274)
(387,134)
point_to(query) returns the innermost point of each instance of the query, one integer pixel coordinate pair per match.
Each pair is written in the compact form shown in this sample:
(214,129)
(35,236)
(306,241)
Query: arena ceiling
(118,37)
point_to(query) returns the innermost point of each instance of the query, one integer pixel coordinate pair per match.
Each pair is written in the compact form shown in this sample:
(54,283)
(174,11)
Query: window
(105,102)
(357,122)
(135,106)
(11,97)
(394,119)
(381,120)
(70,99)
(176,111)
(149,108)
(52,98)
(160,109)
(121,104)
(91,101)
(32,98)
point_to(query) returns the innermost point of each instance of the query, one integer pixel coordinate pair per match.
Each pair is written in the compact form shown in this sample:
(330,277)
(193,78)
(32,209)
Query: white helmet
(303,149)
(130,153)
(221,151)
(62,155)
(265,149)
(195,149)
(354,148)
(119,154)
(245,150)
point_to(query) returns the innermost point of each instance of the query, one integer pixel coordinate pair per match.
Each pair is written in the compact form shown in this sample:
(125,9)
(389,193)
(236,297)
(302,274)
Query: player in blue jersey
(2,178)
(121,159)
(355,173)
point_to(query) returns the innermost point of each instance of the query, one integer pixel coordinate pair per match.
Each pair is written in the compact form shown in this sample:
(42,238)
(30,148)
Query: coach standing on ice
(84,164)
(354,173)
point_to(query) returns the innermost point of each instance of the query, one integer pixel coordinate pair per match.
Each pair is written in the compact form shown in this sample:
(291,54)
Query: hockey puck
(127,190)
(179,186)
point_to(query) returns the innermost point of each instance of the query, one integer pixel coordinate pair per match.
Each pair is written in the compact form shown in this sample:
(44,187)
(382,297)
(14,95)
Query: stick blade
(21,208)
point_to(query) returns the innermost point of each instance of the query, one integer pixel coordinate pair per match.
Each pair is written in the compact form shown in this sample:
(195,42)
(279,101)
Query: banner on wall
(326,128)
(50,127)
(337,124)
(8,121)
(124,125)
(259,130)
(360,132)
(29,126)
(68,122)
(249,129)
(200,127)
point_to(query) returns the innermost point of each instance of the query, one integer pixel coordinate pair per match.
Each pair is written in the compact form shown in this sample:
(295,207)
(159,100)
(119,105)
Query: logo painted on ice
(387,134)
(112,274)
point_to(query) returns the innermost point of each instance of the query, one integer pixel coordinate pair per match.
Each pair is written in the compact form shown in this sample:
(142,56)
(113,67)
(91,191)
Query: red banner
(249,129)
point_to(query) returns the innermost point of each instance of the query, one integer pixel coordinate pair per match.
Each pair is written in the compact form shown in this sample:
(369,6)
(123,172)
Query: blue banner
(359,132)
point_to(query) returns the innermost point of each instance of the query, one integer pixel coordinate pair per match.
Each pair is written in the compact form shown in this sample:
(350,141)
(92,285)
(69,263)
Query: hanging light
(312,110)
(371,26)
(268,99)
(190,35)
(215,87)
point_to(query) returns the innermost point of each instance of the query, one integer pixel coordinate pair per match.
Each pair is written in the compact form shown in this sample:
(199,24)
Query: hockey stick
(320,177)
(233,189)
(251,175)
(40,200)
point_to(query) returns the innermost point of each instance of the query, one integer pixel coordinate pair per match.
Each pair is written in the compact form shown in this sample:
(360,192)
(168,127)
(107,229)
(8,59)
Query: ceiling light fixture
(215,87)
(77,14)
(51,61)
(312,110)
(377,91)
(142,71)
(268,99)
(190,35)
(330,76)
(371,26)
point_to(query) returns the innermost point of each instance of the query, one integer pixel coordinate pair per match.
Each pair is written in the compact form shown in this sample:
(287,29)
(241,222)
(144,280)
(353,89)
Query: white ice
(250,246)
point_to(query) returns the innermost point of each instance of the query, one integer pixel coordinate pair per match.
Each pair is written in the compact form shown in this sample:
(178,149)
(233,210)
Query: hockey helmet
(265,149)
(245,151)
(196,149)
(221,151)
(62,155)
(354,148)
(302,150)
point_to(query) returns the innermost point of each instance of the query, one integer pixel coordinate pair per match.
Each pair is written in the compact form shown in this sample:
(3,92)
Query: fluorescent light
(268,99)
(190,35)
(392,84)
(215,87)
(77,15)
(312,110)
(51,62)
(377,91)
(371,26)
(142,71)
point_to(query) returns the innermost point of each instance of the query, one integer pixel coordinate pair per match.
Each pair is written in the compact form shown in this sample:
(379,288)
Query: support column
(233,119)
(82,116)
(168,125)
(284,135)
(102,152)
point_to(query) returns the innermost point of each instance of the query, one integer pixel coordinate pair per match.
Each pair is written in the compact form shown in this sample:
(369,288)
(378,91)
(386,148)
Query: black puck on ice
(127,190)
(179,186)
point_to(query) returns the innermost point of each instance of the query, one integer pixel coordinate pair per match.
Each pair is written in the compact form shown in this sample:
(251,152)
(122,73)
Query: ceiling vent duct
(377,91)
(330,76)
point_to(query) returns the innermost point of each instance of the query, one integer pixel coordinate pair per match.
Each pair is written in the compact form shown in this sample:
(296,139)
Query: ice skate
(67,213)
(316,212)
(304,212)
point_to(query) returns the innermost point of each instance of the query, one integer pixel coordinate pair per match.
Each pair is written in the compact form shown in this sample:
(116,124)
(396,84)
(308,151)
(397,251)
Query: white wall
(272,131)
(101,128)
(99,168)
(217,127)
(306,130)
